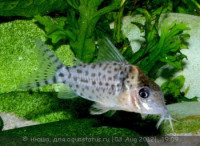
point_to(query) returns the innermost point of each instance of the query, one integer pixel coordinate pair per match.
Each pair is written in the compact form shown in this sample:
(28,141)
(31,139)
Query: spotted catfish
(112,83)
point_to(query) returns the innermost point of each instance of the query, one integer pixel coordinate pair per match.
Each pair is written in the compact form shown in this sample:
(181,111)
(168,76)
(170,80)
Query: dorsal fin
(108,52)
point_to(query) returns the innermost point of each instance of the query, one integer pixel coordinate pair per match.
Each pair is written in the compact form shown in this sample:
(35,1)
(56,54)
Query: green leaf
(172,90)
(73,3)
(173,87)
(164,48)
(55,29)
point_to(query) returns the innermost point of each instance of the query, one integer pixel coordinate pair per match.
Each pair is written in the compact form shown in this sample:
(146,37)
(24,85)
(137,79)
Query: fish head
(146,96)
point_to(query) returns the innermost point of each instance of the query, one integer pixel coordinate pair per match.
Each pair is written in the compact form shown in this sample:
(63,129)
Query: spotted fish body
(112,85)
(99,82)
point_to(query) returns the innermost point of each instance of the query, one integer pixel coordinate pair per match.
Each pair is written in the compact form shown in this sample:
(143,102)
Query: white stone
(184,109)
(11,121)
(132,32)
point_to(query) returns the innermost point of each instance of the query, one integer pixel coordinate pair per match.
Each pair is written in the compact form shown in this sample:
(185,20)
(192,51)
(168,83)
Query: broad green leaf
(172,90)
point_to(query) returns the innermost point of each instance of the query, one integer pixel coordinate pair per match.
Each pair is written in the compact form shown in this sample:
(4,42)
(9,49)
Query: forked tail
(50,69)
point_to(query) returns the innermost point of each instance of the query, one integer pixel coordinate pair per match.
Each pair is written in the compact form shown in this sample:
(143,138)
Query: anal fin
(66,93)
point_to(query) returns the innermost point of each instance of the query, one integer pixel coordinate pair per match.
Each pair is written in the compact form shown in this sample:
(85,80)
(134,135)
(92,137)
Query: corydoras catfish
(111,82)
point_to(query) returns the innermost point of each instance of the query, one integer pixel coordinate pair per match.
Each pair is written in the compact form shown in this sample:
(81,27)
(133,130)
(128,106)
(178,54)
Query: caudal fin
(49,64)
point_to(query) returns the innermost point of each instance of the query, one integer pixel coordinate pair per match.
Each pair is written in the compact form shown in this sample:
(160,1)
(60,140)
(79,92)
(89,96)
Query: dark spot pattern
(93,66)
(51,56)
(61,74)
(84,80)
(115,69)
(93,82)
(37,84)
(59,66)
(115,77)
(79,71)
(144,80)
(46,82)
(46,49)
(54,79)
(99,74)
(104,76)
(113,86)
(100,83)
(110,92)
(130,69)
(93,74)
(75,79)
(100,65)
(56,60)
(86,72)
(105,66)
(109,71)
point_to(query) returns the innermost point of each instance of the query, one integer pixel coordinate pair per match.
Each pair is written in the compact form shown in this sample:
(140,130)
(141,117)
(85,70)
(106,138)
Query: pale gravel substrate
(11,121)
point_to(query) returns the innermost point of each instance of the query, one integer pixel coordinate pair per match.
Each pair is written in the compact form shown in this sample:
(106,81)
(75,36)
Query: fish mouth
(155,109)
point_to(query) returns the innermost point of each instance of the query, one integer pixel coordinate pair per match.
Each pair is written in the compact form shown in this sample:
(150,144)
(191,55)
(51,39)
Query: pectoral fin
(110,113)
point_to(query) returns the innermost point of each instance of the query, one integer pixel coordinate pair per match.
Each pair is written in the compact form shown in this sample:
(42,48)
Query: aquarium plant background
(71,29)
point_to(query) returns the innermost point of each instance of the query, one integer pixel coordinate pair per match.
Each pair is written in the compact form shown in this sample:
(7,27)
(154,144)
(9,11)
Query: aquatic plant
(173,93)
(163,48)
(78,27)
(81,23)
(70,22)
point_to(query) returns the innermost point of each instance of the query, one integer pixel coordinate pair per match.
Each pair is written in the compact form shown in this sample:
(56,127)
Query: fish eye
(144,92)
